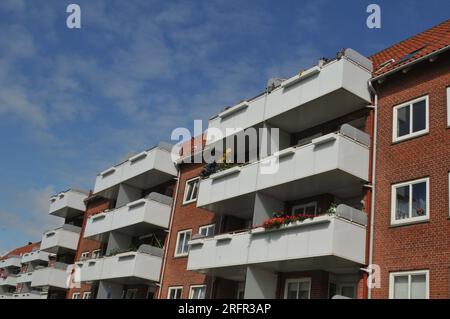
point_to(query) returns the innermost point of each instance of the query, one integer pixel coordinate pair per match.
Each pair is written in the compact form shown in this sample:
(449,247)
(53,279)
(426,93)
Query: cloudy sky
(74,102)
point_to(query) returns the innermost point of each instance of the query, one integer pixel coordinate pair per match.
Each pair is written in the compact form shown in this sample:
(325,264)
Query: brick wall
(185,217)
(425,245)
(94,206)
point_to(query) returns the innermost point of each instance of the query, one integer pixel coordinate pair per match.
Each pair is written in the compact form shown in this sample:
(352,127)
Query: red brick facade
(93,206)
(186,216)
(425,245)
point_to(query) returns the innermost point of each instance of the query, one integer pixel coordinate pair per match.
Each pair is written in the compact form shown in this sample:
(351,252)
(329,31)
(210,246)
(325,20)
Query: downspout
(166,250)
(373,190)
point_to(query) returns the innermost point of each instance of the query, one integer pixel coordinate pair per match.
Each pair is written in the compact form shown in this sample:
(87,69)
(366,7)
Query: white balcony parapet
(317,95)
(323,237)
(35,256)
(68,204)
(144,170)
(30,295)
(139,265)
(55,276)
(8,280)
(150,212)
(343,156)
(6,296)
(25,277)
(11,261)
(63,238)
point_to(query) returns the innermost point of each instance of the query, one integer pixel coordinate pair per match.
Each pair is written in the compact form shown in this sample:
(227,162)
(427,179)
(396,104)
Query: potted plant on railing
(224,163)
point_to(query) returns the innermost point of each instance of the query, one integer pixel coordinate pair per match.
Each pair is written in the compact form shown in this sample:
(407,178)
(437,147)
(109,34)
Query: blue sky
(74,102)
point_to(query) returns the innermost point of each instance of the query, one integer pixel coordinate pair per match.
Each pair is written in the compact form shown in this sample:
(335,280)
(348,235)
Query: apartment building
(133,231)
(322,161)
(16,272)
(411,234)
(62,243)
(357,173)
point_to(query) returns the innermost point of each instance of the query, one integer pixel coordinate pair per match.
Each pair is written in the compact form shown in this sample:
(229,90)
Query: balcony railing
(317,95)
(64,238)
(25,277)
(35,256)
(336,163)
(68,204)
(11,261)
(143,170)
(55,276)
(136,218)
(144,265)
(324,242)
(8,280)
(30,295)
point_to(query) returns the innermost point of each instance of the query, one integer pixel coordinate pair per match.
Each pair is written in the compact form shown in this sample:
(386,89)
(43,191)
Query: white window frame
(186,188)
(411,135)
(191,290)
(394,200)
(392,276)
(175,288)
(297,280)
(213,226)
(87,293)
(76,296)
(448,106)
(176,254)
(305,206)
(95,254)
(84,255)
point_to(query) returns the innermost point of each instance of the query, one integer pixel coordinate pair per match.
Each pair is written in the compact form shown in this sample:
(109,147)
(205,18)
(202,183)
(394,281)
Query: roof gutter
(404,66)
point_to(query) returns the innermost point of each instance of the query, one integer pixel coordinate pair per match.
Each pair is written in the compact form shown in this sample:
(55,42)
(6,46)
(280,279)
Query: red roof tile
(422,44)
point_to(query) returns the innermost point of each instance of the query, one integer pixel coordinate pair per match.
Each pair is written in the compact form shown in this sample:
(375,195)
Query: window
(305,209)
(197,292)
(84,255)
(448,106)
(410,119)
(96,254)
(175,292)
(76,295)
(409,285)
(182,247)
(191,190)
(297,288)
(410,201)
(348,290)
(207,231)
(87,295)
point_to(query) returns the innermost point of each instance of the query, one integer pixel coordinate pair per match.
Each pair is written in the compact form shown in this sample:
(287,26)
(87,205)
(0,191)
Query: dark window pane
(419,116)
(402,203)
(403,121)
(419,199)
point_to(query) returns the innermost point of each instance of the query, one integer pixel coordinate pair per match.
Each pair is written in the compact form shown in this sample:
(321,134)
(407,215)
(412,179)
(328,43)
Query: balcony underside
(332,264)
(335,182)
(318,111)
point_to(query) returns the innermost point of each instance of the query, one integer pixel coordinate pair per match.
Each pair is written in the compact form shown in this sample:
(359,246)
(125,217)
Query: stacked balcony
(56,276)
(61,240)
(322,152)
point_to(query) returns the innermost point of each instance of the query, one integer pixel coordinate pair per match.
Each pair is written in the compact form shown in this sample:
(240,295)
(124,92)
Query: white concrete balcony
(35,256)
(142,171)
(68,204)
(25,277)
(8,280)
(30,295)
(11,262)
(56,276)
(6,296)
(61,240)
(329,242)
(318,95)
(337,163)
(126,268)
(136,218)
